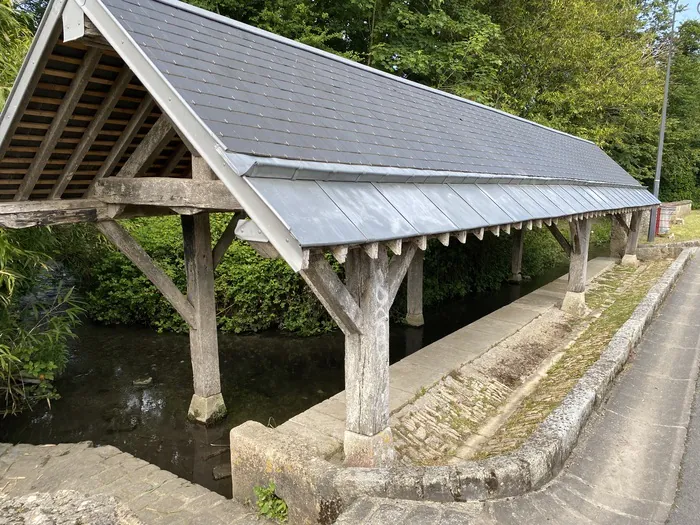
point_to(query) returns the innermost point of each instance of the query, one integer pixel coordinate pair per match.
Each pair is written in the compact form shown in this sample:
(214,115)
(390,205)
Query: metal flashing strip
(274,168)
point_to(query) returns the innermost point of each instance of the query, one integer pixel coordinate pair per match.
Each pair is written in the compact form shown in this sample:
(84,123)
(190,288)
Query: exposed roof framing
(319,151)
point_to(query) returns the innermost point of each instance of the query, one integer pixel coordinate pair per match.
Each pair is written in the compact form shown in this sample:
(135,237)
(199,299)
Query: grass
(688,231)
(614,298)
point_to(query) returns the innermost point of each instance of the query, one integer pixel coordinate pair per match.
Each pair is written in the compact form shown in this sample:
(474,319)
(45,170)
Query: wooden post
(361,309)
(414,291)
(630,257)
(207,403)
(516,263)
(618,234)
(575,298)
(368,440)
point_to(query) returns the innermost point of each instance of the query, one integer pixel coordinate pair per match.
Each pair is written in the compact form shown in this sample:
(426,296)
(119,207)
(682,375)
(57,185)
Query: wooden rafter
(148,149)
(60,119)
(174,160)
(91,133)
(126,137)
(398,266)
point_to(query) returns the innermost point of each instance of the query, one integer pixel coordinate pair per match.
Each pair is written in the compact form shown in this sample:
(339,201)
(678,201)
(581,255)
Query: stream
(268,377)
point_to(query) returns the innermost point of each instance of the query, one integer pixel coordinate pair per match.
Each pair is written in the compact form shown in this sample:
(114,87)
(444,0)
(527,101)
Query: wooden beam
(59,122)
(560,238)
(137,255)
(371,249)
(174,160)
(479,234)
(461,236)
(91,133)
(148,149)
(227,237)
(444,239)
(398,266)
(334,295)
(126,137)
(167,191)
(49,213)
(621,221)
(421,242)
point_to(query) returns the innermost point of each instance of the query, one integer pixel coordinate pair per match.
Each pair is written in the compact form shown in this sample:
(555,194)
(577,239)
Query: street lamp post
(662,133)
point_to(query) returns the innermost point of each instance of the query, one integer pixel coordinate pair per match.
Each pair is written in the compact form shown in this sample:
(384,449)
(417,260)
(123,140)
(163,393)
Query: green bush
(255,294)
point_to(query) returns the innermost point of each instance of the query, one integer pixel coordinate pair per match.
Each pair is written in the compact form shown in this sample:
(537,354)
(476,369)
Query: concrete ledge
(648,252)
(317,491)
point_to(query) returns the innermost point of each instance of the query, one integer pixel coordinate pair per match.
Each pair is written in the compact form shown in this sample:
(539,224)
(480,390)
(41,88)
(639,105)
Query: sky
(691,11)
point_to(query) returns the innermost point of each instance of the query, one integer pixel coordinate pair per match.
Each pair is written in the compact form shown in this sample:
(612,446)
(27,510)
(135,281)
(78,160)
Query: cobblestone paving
(153,495)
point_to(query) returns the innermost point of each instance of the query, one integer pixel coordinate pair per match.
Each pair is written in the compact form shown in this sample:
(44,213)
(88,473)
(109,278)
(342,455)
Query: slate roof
(266,96)
(319,150)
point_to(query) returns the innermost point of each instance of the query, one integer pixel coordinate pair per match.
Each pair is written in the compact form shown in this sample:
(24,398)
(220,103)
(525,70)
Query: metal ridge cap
(255,167)
(278,38)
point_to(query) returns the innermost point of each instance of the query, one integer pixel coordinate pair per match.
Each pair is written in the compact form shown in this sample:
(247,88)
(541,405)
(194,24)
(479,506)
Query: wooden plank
(91,133)
(60,120)
(148,149)
(167,191)
(560,238)
(137,255)
(124,140)
(334,295)
(49,213)
(227,237)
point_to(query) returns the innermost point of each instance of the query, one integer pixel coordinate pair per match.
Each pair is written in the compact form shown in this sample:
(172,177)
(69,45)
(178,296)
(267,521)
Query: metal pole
(662,133)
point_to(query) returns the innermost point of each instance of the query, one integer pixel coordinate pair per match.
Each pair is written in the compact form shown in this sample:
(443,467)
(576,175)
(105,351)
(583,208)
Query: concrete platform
(323,425)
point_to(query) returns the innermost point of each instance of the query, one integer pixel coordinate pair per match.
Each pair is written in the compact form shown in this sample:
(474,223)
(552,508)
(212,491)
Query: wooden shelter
(131,108)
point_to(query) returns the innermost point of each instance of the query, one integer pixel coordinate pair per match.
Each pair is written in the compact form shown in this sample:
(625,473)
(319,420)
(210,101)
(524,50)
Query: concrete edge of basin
(316,490)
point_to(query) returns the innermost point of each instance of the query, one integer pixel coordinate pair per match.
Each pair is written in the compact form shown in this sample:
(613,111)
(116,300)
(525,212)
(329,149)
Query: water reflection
(267,378)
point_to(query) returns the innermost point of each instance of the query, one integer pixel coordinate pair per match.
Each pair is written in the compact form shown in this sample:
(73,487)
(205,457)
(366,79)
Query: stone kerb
(317,491)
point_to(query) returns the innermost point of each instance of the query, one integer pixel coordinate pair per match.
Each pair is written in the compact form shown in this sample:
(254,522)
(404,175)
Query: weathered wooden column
(414,292)
(207,403)
(360,307)
(618,235)
(575,298)
(368,439)
(516,263)
(630,257)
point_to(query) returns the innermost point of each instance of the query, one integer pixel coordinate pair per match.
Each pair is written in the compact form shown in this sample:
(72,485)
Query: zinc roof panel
(368,210)
(482,203)
(311,216)
(423,215)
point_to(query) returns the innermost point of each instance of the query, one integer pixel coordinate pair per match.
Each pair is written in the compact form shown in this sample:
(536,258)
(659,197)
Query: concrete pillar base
(369,451)
(207,410)
(415,320)
(629,260)
(574,303)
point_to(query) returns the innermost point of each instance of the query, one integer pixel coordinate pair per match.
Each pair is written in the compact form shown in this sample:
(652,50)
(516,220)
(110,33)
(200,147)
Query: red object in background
(658,219)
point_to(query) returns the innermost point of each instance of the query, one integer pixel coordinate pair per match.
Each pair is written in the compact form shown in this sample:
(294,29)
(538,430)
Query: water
(267,378)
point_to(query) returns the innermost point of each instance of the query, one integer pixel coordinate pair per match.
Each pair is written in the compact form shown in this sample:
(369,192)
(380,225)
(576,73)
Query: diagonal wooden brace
(137,255)
(560,239)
